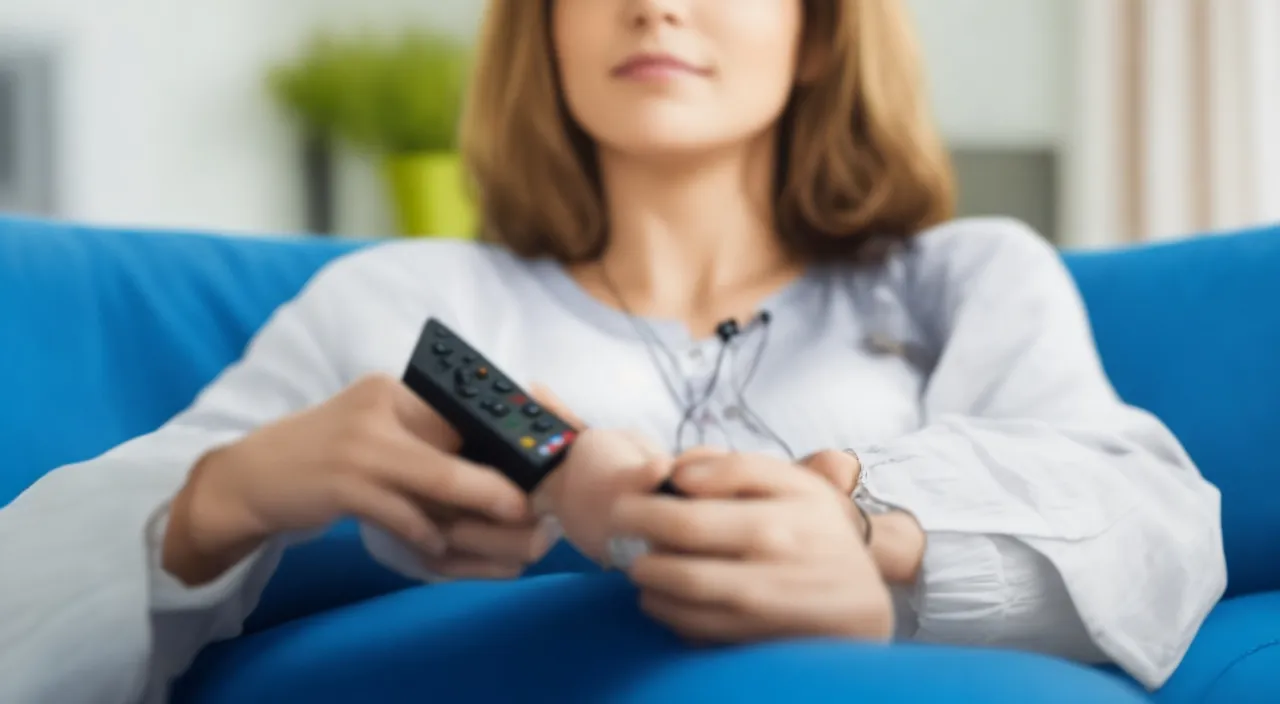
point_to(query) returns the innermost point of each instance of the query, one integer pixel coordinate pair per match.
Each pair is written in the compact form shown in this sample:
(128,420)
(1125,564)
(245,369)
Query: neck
(693,238)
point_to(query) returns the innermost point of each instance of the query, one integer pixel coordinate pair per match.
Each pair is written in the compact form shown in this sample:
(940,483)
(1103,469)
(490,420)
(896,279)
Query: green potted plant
(401,100)
(414,106)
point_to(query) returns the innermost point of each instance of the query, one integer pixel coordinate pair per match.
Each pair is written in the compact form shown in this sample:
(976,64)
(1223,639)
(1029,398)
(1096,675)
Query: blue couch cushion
(1235,658)
(1191,332)
(107,334)
(581,638)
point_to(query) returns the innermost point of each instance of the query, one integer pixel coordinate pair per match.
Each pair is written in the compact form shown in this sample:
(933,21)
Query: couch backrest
(106,334)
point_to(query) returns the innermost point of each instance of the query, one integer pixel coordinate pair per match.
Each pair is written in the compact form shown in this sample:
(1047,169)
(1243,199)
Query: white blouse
(963,372)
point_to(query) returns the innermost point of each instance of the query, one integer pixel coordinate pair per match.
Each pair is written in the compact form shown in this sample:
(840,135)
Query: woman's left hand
(757,549)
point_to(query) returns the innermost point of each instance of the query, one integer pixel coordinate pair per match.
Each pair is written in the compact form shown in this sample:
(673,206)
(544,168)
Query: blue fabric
(580,638)
(336,570)
(105,334)
(1235,658)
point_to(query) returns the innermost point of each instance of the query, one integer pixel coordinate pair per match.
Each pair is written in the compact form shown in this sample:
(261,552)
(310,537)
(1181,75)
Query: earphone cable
(650,339)
(740,391)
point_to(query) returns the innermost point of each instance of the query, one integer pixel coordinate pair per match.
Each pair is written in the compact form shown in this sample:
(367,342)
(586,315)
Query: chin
(669,129)
(665,140)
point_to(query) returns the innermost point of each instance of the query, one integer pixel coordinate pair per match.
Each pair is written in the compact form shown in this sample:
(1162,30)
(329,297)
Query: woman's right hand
(375,452)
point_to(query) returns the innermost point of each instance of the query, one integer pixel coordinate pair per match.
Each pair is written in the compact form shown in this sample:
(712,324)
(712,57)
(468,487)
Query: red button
(519,399)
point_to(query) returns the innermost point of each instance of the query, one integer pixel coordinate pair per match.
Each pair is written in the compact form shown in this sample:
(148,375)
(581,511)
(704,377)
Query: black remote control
(500,424)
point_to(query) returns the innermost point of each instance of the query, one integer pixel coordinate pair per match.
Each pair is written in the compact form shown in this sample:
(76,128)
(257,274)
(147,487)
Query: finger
(393,513)
(697,580)
(502,543)
(838,468)
(644,478)
(721,527)
(443,515)
(469,567)
(700,454)
(419,418)
(701,623)
(738,475)
(429,475)
(551,402)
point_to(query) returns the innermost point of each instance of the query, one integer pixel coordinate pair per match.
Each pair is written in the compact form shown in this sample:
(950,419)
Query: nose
(651,14)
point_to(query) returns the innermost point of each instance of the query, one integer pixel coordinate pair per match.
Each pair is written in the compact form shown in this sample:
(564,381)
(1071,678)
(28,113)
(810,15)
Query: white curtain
(1176,119)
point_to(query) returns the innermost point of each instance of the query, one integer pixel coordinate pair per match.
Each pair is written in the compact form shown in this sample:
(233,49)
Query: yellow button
(528,442)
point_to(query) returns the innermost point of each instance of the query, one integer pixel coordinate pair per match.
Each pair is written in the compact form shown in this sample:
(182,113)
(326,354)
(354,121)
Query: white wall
(165,121)
(164,117)
(1000,70)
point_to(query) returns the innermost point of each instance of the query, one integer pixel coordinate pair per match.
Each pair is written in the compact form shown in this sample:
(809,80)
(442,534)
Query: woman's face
(660,77)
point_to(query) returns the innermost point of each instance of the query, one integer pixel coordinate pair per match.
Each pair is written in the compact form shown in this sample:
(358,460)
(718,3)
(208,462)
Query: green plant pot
(429,194)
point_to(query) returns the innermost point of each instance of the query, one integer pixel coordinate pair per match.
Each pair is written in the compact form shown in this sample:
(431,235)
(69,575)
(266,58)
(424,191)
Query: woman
(647,170)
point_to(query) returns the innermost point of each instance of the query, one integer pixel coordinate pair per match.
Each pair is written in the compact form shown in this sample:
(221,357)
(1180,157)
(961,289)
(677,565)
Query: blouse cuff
(961,590)
(168,593)
(961,593)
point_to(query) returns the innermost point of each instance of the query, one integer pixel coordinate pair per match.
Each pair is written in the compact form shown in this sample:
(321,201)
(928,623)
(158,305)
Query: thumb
(701,454)
(548,400)
(840,469)
(650,475)
(422,420)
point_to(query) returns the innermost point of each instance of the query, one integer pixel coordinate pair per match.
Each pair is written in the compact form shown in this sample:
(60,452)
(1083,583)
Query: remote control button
(444,363)
(503,386)
(555,444)
(542,425)
(462,376)
(482,373)
(528,443)
(499,410)
(468,359)
(531,410)
(487,404)
(441,349)
(441,333)
(468,391)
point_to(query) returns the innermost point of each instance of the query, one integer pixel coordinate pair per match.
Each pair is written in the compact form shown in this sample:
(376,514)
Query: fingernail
(512,509)
(541,504)
(624,550)
(553,528)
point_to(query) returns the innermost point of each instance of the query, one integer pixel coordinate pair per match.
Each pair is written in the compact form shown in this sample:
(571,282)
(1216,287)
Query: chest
(777,398)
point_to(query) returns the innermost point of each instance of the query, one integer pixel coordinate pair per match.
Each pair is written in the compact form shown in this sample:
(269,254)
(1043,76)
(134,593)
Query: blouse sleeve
(1058,518)
(83,585)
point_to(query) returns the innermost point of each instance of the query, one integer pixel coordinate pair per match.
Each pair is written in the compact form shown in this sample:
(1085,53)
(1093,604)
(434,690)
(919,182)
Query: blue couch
(104,334)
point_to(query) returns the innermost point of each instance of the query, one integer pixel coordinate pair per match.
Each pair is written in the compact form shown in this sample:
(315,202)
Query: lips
(656,66)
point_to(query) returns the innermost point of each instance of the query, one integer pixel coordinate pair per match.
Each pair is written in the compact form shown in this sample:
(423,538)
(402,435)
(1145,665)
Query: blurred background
(1098,121)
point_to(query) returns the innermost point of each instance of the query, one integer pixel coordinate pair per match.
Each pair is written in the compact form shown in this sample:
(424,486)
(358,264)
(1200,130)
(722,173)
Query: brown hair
(861,166)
